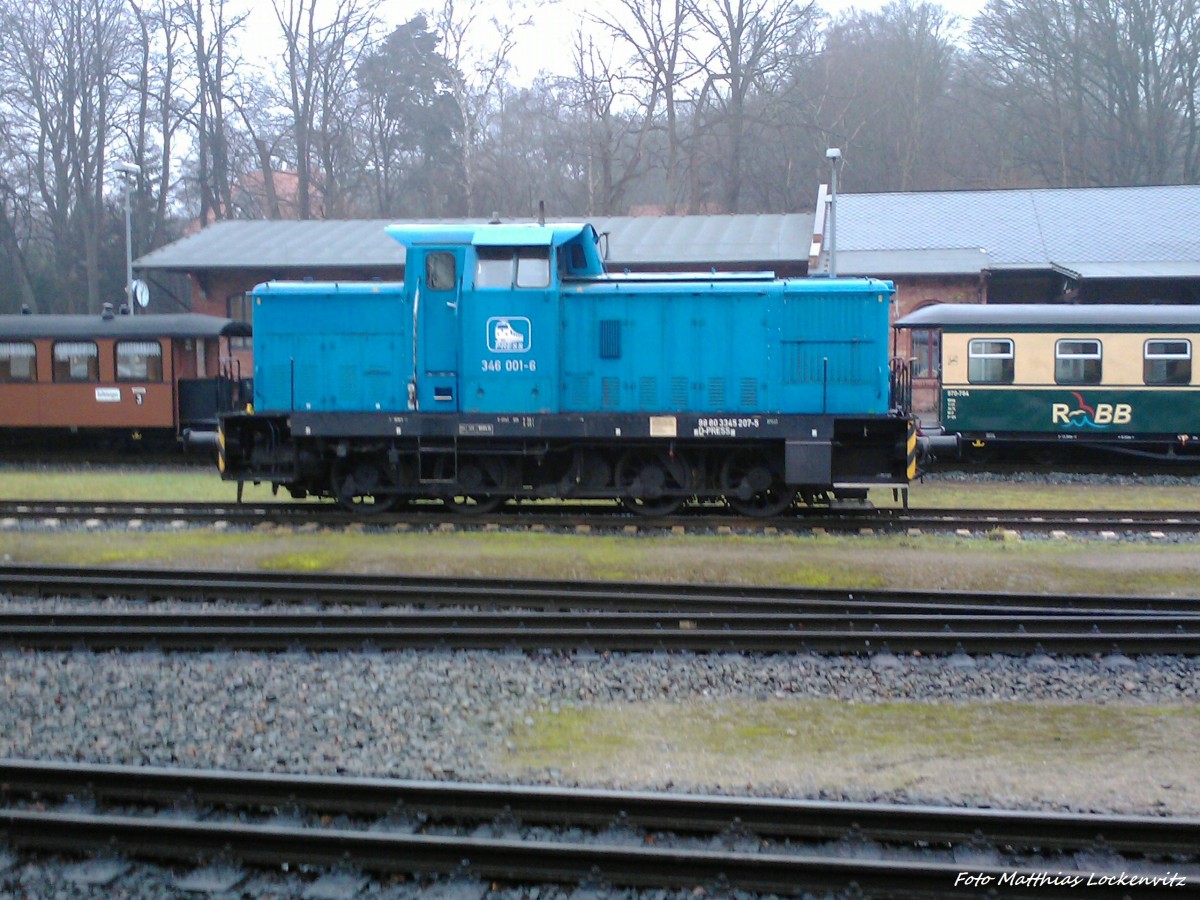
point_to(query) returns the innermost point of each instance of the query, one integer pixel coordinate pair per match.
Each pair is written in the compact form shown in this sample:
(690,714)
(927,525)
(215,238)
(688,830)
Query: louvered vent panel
(679,393)
(748,395)
(647,392)
(610,393)
(579,392)
(716,393)
(610,338)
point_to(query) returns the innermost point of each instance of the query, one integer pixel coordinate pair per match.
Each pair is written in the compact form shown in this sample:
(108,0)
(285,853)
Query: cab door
(436,293)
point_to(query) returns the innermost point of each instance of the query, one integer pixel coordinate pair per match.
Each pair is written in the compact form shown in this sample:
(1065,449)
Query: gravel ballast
(469,715)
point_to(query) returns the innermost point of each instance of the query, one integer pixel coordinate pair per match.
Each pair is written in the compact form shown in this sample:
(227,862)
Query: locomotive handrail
(901,382)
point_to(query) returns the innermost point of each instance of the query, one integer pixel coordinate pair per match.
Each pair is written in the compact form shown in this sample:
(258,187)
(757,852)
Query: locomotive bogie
(509,365)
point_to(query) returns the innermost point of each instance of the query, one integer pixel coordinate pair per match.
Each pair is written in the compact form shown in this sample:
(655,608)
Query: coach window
(1167,362)
(494,268)
(76,361)
(990,361)
(1077,362)
(18,362)
(533,268)
(139,361)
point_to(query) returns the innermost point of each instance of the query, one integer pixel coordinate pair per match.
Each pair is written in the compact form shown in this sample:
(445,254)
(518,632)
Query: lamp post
(130,174)
(834,155)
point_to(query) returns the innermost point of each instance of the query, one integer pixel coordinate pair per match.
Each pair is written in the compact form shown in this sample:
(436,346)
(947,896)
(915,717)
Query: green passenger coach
(1044,377)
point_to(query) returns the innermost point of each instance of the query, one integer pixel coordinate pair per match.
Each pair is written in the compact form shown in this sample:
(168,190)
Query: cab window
(1077,362)
(18,361)
(76,361)
(440,271)
(990,361)
(1167,362)
(533,268)
(494,268)
(139,361)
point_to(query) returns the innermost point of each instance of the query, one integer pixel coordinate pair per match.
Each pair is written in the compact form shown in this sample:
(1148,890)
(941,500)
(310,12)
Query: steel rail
(597,808)
(345,588)
(568,515)
(689,635)
(521,861)
(763,821)
(112,621)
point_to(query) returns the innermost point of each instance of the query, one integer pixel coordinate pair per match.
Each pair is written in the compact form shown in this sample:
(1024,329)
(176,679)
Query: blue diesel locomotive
(511,365)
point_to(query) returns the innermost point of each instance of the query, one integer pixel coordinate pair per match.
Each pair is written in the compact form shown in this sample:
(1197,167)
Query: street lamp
(130,174)
(834,155)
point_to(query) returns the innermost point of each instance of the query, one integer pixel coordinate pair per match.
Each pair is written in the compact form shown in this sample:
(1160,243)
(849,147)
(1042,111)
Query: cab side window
(440,272)
(494,268)
(990,361)
(1077,362)
(533,267)
(1167,362)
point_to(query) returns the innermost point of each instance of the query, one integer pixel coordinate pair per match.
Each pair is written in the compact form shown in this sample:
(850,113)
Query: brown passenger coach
(116,379)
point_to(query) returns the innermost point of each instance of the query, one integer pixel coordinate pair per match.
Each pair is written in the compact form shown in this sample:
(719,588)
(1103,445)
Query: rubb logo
(1085,415)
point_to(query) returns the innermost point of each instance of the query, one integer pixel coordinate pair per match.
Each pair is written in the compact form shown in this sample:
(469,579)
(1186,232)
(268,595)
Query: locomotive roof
(1029,316)
(173,325)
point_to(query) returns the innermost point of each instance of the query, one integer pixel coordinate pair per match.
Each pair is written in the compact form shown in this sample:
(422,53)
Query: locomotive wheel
(481,479)
(751,488)
(356,486)
(651,482)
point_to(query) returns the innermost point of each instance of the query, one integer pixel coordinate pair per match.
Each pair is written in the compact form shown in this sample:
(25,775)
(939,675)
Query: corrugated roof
(1135,232)
(632,241)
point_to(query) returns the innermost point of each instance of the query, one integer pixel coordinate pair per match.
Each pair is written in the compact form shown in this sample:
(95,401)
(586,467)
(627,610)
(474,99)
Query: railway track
(484,613)
(535,835)
(847,519)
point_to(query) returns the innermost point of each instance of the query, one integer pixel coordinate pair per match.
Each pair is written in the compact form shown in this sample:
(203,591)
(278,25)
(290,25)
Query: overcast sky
(548,45)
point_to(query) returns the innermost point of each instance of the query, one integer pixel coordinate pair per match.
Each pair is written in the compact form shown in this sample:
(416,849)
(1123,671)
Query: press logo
(1085,415)
(509,334)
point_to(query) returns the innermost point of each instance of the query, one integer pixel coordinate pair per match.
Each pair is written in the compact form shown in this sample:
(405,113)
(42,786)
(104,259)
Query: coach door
(435,323)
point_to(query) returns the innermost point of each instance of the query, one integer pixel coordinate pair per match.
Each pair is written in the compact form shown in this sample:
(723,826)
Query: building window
(18,361)
(1077,362)
(240,308)
(76,361)
(1167,362)
(926,352)
(990,361)
(139,361)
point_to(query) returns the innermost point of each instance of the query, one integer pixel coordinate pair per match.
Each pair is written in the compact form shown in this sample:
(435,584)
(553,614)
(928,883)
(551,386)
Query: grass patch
(885,561)
(829,744)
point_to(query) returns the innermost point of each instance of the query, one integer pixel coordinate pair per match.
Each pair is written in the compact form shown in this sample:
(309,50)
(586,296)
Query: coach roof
(175,325)
(1057,315)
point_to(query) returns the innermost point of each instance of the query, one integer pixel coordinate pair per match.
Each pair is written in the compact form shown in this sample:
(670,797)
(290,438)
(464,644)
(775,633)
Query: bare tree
(60,61)
(212,30)
(478,46)
(320,57)
(656,32)
(1100,91)
(751,42)
(614,140)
